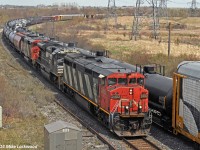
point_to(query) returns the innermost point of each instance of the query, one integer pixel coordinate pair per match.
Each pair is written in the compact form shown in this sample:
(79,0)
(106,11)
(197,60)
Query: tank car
(160,98)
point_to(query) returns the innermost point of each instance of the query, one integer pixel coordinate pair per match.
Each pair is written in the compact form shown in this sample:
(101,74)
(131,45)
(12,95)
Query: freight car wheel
(196,146)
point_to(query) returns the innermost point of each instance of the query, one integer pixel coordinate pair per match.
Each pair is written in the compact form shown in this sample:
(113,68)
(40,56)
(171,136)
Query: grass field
(21,96)
(90,34)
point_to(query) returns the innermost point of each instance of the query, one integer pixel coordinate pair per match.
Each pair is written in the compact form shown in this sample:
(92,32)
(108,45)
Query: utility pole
(111,12)
(169,40)
(193,8)
(53,27)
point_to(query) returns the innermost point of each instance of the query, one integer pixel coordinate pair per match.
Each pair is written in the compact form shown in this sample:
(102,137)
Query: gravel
(167,138)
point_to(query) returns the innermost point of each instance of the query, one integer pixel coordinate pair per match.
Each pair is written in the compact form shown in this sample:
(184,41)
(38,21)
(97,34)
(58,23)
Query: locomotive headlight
(139,108)
(131,91)
(144,95)
(126,109)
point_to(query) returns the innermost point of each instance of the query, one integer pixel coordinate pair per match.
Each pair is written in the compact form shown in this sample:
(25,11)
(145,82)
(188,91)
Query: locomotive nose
(131,99)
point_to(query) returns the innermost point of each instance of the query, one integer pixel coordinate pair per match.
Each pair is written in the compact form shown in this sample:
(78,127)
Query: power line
(177,2)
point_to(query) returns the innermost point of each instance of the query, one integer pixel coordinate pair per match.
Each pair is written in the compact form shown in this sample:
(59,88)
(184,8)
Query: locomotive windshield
(132,81)
(122,81)
(112,81)
(140,81)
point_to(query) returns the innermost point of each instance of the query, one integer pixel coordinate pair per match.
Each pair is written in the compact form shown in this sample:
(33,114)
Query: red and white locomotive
(109,89)
(113,93)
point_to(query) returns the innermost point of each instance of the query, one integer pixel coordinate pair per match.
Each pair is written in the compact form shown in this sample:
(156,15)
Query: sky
(171,3)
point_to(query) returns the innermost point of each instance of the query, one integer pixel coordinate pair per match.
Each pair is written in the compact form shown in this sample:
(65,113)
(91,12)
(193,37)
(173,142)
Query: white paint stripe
(88,84)
(75,80)
(70,76)
(81,82)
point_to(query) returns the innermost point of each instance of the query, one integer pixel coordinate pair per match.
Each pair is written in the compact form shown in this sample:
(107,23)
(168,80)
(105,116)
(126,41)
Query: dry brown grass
(20,97)
(184,40)
(28,131)
(90,35)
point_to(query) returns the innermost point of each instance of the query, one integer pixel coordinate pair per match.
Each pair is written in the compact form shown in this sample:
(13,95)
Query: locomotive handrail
(115,106)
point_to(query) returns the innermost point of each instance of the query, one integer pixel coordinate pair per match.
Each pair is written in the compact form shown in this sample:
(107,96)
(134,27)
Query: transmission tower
(111,12)
(137,19)
(159,9)
(193,8)
(156,21)
(163,9)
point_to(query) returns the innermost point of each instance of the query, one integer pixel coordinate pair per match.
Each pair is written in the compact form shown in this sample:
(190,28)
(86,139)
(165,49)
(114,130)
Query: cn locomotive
(109,89)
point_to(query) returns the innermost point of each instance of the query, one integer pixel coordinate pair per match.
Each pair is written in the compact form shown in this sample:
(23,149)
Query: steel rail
(132,145)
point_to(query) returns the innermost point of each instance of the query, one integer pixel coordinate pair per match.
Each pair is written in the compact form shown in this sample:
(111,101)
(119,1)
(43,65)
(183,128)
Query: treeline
(8,13)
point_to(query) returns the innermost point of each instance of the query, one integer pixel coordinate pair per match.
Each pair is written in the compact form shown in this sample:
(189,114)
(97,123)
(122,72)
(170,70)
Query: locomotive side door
(102,91)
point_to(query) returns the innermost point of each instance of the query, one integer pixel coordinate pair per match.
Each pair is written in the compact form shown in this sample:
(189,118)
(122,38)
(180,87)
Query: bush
(139,57)
(96,35)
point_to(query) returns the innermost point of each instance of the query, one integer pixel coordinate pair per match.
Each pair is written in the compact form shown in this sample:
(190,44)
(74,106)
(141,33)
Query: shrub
(96,35)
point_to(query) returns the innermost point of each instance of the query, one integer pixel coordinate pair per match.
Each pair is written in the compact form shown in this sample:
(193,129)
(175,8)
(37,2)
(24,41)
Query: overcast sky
(171,3)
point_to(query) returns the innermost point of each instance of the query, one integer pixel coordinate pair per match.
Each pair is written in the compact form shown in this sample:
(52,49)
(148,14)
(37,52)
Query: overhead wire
(128,3)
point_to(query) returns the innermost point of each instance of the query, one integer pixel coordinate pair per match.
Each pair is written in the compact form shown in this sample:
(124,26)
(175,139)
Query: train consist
(175,103)
(109,89)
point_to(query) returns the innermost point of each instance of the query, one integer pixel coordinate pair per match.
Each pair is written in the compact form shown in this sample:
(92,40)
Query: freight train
(175,102)
(109,89)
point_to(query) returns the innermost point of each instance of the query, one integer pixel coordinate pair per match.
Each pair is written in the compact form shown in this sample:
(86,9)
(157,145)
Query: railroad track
(141,144)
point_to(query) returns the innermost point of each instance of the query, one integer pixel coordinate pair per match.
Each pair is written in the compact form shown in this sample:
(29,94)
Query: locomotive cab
(125,98)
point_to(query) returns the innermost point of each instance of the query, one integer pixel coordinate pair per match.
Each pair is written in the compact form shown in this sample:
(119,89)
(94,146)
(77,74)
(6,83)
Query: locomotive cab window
(122,81)
(140,81)
(103,81)
(34,44)
(132,81)
(112,81)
